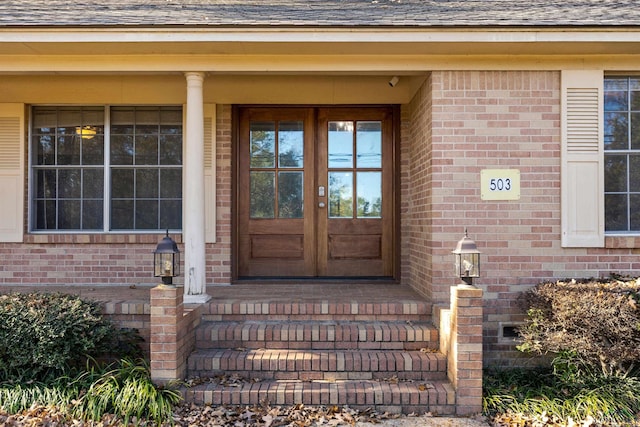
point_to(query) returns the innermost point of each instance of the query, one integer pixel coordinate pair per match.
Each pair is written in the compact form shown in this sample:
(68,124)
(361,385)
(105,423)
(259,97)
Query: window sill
(101,238)
(622,242)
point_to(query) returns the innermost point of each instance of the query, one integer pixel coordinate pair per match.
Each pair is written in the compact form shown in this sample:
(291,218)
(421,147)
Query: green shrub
(122,390)
(568,390)
(42,335)
(126,391)
(595,321)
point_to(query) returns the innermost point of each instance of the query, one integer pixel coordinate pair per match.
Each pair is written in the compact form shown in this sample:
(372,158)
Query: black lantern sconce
(467,259)
(166,260)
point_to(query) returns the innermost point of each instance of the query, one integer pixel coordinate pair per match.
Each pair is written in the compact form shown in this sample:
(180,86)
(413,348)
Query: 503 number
(500,184)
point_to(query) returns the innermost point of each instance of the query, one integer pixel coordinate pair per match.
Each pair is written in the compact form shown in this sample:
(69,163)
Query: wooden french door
(315,192)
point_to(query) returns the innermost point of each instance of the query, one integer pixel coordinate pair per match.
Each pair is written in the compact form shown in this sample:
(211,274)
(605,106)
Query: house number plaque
(500,184)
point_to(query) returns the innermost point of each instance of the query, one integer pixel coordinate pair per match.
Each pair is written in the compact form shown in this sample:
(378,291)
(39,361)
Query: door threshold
(314,280)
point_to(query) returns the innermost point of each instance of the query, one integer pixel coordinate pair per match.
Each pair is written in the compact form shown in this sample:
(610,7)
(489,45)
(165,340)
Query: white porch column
(195,289)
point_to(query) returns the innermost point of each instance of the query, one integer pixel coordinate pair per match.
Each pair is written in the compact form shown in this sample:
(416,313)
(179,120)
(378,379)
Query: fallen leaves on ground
(223,379)
(192,415)
(543,420)
(273,416)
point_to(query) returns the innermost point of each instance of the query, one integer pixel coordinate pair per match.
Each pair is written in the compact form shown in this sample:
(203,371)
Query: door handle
(321,205)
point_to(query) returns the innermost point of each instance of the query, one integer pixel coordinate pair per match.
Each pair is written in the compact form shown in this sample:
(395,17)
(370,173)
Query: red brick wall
(462,122)
(417,192)
(79,259)
(486,120)
(218,256)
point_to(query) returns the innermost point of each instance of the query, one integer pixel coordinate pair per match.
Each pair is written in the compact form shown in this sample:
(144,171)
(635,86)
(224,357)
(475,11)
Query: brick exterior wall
(131,315)
(172,338)
(464,348)
(417,167)
(458,123)
(218,256)
(486,120)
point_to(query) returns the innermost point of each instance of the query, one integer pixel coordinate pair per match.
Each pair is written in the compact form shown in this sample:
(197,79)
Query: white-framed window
(106,168)
(622,154)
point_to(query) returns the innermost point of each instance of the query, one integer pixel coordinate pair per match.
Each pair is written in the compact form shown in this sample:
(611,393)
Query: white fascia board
(316,35)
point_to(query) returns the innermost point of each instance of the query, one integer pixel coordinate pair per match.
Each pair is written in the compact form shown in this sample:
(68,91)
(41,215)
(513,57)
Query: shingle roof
(326,13)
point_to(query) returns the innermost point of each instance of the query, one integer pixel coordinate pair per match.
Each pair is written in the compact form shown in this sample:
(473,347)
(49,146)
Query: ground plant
(546,396)
(44,336)
(590,331)
(596,319)
(55,351)
(121,392)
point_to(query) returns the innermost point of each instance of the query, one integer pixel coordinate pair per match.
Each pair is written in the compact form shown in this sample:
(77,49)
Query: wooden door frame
(235,175)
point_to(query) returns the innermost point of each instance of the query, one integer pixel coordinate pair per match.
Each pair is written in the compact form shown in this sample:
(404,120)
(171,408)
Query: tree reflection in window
(362,180)
(144,171)
(622,153)
(276,190)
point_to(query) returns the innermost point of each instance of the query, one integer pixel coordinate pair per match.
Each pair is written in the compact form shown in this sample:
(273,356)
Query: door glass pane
(369,144)
(369,191)
(341,194)
(290,194)
(340,150)
(290,145)
(263,136)
(262,195)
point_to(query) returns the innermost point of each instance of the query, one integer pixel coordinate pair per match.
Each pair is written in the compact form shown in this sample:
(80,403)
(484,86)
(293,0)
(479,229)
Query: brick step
(321,310)
(437,397)
(309,365)
(317,335)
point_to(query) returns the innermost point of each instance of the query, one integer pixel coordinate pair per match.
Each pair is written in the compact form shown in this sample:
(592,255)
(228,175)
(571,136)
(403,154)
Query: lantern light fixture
(467,259)
(166,260)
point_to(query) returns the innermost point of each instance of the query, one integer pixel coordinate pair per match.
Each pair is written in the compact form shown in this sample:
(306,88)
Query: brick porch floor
(309,293)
